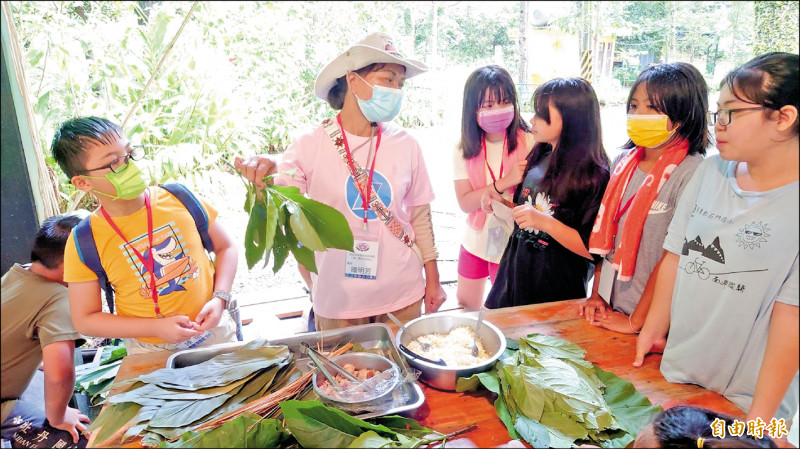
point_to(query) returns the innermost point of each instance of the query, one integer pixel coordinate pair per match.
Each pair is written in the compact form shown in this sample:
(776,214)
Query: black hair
(768,80)
(50,240)
(339,90)
(682,425)
(75,135)
(579,162)
(679,91)
(501,88)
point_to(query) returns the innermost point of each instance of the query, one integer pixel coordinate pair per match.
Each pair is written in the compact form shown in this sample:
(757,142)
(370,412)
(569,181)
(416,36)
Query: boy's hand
(175,329)
(210,314)
(73,423)
(647,343)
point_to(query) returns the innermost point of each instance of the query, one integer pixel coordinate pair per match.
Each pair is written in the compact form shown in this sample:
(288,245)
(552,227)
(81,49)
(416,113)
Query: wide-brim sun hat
(375,48)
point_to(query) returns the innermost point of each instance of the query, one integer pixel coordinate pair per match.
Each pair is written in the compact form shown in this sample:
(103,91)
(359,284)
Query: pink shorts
(471,266)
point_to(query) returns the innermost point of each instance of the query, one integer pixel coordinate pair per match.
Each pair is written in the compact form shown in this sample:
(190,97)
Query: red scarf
(476,171)
(605,226)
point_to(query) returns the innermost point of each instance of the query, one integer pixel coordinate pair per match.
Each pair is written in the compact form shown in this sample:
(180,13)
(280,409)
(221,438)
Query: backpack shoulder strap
(87,252)
(194,207)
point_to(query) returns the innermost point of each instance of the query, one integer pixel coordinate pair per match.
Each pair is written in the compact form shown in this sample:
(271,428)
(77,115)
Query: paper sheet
(503,212)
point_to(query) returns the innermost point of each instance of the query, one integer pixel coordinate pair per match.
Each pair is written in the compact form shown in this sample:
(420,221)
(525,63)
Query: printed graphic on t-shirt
(172,264)
(752,235)
(714,256)
(356,202)
(543,205)
(659,207)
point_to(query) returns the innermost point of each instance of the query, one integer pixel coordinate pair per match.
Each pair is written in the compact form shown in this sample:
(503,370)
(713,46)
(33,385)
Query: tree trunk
(523,42)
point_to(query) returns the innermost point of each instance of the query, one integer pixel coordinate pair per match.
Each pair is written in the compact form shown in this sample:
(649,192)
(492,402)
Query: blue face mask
(383,106)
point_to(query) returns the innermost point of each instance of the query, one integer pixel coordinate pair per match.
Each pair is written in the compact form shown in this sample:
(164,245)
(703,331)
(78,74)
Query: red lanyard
(364,195)
(148,265)
(621,209)
(486,157)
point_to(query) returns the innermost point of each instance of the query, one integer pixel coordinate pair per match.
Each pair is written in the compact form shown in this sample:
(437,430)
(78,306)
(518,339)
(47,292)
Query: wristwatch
(223,295)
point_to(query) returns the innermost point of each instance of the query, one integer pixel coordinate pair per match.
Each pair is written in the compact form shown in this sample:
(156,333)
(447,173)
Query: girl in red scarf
(491,154)
(668,132)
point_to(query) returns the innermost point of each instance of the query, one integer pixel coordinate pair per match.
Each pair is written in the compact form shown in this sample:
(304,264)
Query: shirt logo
(356,202)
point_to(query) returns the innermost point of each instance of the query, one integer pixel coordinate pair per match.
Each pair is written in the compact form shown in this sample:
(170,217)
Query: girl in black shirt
(546,258)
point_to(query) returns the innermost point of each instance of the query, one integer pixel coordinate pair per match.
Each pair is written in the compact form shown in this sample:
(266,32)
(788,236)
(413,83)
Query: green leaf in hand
(302,229)
(254,236)
(303,255)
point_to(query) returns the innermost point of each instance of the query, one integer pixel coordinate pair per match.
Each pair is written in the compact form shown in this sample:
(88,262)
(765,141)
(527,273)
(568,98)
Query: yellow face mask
(648,130)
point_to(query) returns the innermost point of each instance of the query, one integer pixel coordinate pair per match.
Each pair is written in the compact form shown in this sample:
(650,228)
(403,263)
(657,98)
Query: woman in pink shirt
(391,222)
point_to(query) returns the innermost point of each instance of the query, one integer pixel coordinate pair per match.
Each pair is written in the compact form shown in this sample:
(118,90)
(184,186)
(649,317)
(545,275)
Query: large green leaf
(255,235)
(313,425)
(280,249)
(248,431)
(302,229)
(222,369)
(331,226)
(536,434)
(632,409)
(111,354)
(304,256)
(118,417)
(371,439)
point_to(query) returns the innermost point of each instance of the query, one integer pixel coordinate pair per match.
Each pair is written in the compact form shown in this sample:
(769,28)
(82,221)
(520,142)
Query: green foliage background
(240,77)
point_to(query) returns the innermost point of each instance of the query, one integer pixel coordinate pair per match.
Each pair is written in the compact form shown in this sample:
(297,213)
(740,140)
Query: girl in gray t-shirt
(727,288)
(667,126)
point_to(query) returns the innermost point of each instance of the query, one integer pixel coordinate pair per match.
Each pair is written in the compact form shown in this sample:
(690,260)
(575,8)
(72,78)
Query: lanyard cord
(486,157)
(620,208)
(148,265)
(364,195)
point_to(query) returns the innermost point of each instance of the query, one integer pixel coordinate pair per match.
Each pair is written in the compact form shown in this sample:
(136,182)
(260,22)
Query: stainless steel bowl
(360,360)
(444,377)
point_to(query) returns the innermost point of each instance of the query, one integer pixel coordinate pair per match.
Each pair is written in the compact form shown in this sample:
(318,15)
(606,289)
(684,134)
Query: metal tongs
(320,361)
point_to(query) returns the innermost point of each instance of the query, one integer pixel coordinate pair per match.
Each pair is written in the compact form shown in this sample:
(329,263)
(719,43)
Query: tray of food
(373,338)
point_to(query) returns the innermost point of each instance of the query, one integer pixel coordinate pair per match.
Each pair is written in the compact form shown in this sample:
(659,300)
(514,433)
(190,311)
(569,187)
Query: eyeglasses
(724,116)
(120,163)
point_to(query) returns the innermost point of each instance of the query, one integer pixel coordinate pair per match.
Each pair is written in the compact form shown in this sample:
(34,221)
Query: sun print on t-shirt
(752,235)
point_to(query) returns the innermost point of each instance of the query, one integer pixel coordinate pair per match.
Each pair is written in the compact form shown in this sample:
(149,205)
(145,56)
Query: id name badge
(362,263)
(194,341)
(607,275)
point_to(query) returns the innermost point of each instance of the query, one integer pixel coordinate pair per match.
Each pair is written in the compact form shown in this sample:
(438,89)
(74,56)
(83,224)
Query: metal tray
(370,336)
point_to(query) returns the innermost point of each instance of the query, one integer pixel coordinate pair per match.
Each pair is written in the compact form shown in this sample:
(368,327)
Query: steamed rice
(455,348)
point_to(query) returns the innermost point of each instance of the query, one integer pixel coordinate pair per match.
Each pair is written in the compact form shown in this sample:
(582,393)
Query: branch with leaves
(283,220)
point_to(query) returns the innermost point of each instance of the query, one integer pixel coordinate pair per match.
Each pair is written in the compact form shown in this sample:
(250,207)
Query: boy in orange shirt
(169,294)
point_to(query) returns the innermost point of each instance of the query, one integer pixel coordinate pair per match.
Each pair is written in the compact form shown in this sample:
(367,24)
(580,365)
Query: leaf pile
(310,424)
(283,220)
(165,404)
(95,379)
(549,395)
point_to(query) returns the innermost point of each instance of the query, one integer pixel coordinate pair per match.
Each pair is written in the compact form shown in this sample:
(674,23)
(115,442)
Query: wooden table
(447,412)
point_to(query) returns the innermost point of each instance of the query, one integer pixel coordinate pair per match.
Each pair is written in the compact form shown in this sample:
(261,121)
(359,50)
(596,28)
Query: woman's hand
(592,306)
(528,216)
(255,168)
(486,200)
(435,296)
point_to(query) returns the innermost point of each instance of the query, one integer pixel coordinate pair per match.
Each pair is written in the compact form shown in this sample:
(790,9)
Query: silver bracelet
(631,324)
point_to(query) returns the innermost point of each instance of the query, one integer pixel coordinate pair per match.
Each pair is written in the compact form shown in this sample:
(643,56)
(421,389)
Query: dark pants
(27,426)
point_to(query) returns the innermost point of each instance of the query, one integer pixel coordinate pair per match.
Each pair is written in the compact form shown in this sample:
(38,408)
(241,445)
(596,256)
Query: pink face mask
(496,120)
